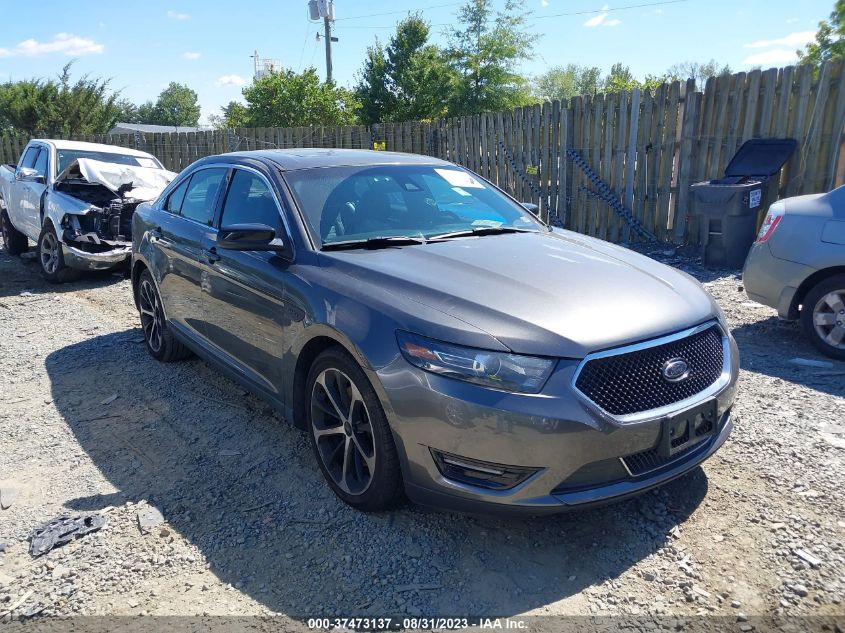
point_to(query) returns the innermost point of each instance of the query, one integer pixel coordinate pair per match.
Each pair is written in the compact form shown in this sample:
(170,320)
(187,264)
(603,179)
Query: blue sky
(207,44)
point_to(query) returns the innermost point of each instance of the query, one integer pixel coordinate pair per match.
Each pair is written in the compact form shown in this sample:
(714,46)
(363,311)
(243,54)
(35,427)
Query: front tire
(158,339)
(350,435)
(14,241)
(51,260)
(823,316)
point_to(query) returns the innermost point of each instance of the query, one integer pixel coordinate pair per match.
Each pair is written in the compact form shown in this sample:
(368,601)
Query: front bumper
(83,260)
(576,450)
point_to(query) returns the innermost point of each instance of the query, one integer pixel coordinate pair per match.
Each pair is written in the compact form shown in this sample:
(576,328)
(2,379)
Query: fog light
(478,473)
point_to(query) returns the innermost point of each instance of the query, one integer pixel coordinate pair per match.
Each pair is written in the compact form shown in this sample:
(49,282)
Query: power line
(541,17)
(412,9)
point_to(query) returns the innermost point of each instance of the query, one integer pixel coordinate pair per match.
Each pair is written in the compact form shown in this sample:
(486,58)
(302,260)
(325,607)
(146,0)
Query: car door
(25,207)
(244,303)
(180,240)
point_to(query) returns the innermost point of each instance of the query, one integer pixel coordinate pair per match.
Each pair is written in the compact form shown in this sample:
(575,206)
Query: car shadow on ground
(771,346)
(21,274)
(242,485)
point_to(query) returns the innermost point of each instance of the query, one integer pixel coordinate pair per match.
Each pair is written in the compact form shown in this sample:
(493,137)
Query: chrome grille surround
(650,414)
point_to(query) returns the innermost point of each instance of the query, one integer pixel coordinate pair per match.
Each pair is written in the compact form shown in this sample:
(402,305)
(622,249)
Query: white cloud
(601,19)
(191,56)
(230,80)
(63,43)
(175,15)
(799,38)
(544,3)
(791,20)
(774,56)
(596,20)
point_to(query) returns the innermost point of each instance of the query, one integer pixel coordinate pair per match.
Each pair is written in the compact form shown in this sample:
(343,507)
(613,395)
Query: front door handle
(155,237)
(211,255)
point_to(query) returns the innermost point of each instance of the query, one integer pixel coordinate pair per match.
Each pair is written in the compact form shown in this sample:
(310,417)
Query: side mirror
(28,174)
(249,237)
(532,208)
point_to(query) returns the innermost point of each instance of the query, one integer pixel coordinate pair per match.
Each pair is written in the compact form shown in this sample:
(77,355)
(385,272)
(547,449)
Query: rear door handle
(211,255)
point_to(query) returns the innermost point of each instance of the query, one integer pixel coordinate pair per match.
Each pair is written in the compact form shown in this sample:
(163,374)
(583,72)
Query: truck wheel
(14,241)
(50,257)
(823,316)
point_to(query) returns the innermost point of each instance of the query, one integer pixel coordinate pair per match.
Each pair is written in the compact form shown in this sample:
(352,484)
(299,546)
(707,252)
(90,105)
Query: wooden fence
(647,146)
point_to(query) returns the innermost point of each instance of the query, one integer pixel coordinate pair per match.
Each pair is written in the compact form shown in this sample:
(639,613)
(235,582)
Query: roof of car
(309,158)
(91,147)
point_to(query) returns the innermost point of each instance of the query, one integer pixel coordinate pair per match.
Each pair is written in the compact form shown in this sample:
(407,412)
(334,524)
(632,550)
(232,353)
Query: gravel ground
(90,422)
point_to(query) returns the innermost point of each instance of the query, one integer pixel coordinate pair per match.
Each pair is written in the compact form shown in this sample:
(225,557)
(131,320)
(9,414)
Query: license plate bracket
(687,428)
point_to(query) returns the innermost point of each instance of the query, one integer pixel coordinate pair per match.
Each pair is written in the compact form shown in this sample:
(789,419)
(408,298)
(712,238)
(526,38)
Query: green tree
(409,79)
(620,79)
(128,112)
(49,107)
(176,105)
(830,38)
(234,114)
(146,112)
(486,49)
(287,98)
(696,70)
(565,82)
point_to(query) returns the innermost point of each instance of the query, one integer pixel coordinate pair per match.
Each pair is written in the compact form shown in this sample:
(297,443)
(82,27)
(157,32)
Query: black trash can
(726,208)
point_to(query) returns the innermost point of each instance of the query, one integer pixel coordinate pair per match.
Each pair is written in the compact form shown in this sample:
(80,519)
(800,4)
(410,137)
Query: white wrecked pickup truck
(76,201)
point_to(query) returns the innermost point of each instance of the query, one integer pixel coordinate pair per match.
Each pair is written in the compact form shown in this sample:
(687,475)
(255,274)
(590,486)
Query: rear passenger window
(250,201)
(174,200)
(198,203)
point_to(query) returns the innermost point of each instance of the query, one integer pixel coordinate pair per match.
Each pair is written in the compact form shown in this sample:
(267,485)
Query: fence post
(231,139)
(689,126)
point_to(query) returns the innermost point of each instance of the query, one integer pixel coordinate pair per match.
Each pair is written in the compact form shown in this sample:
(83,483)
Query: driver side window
(250,201)
(41,163)
(29,157)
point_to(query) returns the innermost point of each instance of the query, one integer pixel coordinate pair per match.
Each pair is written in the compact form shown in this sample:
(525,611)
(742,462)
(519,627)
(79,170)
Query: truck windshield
(67,156)
(345,204)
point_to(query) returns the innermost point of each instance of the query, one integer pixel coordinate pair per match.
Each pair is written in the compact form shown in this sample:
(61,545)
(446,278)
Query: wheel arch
(809,283)
(138,267)
(304,360)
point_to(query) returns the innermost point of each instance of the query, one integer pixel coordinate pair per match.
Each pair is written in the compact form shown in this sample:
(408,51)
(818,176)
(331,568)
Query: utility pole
(328,27)
(324,9)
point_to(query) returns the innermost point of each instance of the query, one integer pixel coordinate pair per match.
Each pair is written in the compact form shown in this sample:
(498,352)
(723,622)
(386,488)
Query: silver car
(797,266)
(431,336)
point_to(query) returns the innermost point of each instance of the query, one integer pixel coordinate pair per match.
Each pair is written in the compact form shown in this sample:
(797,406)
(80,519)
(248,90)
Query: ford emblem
(675,370)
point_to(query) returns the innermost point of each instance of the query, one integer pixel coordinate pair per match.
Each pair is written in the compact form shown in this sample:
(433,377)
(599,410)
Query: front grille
(647,461)
(632,382)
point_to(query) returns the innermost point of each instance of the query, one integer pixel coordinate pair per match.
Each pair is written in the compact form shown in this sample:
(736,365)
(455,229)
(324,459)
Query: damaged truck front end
(92,203)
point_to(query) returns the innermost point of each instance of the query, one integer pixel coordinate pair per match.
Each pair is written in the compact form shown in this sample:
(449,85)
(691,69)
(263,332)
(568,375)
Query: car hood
(554,294)
(140,184)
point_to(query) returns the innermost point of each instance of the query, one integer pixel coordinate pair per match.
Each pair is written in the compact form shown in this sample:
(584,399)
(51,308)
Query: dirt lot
(89,422)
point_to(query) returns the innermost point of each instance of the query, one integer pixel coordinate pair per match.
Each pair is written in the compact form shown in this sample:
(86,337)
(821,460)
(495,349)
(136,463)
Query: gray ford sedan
(433,337)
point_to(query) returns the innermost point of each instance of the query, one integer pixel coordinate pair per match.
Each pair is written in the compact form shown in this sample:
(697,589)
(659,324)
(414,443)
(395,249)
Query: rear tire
(158,339)
(350,435)
(14,241)
(823,316)
(51,260)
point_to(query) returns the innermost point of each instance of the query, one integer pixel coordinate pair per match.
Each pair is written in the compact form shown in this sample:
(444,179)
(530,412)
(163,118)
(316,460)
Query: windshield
(66,156)
(342,204)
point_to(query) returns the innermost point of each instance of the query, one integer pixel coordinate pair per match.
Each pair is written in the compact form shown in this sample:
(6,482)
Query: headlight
(509,372)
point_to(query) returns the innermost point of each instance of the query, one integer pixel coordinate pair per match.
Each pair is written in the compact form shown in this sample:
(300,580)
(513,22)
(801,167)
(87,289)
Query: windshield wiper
(374,243)
(481,230)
